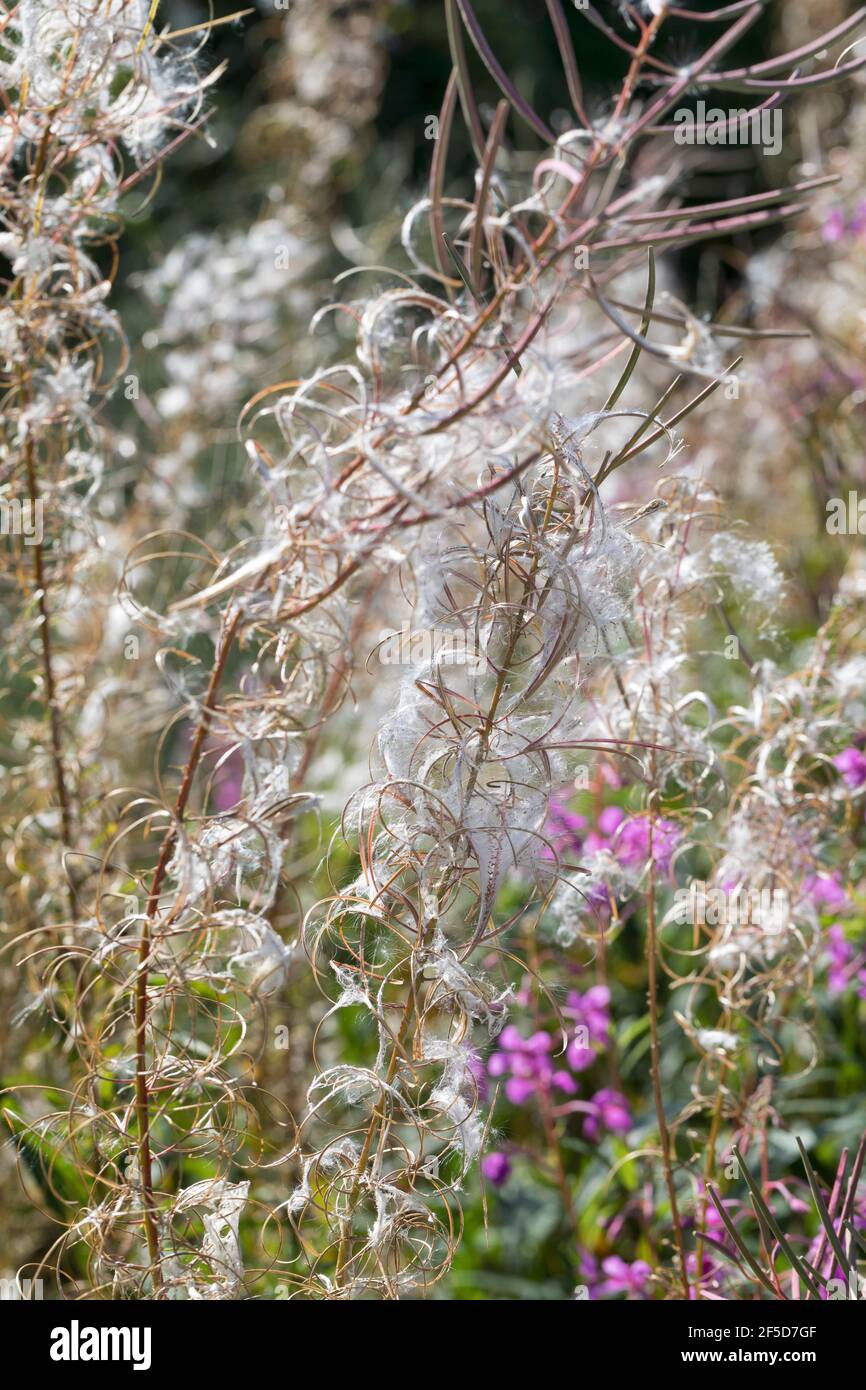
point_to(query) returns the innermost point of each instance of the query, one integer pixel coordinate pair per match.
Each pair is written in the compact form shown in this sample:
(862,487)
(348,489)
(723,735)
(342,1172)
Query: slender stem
(664,1133)
(636,65)
(344,1254)
(48,670)
(142,1093)
(553,1144)
(709,1171)
(547,1116)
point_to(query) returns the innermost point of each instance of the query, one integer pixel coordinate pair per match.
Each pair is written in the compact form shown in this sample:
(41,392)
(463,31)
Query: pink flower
(833,229)
(527,1064)
(496,1168)
(609,1112)
(565,829)
(623,1278)
(837,226)
(841,956)
(590,1012)
(857,222)
(591,1009)
(611,819)
(632,845)
(852,765)
(825,890)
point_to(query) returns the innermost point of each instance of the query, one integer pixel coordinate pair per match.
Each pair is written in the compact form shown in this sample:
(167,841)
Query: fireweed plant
(230,310)
(460,475)
(93,101)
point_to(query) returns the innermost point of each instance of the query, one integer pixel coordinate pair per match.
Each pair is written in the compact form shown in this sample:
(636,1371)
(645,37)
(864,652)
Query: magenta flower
(840,956)
(590,1012)
(496,1168)
(857,222)
(609,1112)
(596,897)
(837,226)
(528,1065)
(632,844)
(565,829)
(611,819)
(579,1057)
(475,1065)
(833,229)
(852,765)
(712,1219)
(624,1278)
(825,890)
